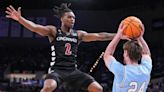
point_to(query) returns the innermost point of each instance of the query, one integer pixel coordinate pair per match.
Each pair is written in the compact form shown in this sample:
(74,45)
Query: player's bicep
(45,30)
(87,37)
(107,59)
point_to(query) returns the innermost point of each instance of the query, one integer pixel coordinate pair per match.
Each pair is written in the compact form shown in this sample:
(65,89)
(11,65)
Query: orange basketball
(133,27)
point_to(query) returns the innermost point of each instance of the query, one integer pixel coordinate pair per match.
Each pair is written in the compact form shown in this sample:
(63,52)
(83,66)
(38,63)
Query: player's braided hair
(59,11)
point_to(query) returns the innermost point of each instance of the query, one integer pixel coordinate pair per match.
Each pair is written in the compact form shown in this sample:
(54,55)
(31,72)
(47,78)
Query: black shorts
(73,79)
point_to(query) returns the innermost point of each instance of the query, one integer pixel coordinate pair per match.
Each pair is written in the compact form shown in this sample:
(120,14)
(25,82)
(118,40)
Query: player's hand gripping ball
(133,27)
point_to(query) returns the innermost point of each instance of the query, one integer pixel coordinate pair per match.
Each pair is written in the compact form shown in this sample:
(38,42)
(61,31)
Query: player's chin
(71,25)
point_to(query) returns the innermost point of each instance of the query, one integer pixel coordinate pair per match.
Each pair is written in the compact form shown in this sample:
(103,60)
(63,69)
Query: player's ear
(125,53)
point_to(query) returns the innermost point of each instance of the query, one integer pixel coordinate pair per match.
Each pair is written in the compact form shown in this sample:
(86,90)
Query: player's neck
(128,61)
(66,30)
(131,62)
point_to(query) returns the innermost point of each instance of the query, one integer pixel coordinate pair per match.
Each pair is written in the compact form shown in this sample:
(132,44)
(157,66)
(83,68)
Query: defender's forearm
(106,36)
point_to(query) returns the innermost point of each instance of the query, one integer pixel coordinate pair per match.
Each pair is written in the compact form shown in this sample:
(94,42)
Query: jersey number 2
(135,86)
(68,49)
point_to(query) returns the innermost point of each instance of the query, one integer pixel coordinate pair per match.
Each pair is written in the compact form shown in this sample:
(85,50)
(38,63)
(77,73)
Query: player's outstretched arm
(16,15)
(88,37)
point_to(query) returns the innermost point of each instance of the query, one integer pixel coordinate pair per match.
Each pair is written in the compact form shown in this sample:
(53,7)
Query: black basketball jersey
(64,50)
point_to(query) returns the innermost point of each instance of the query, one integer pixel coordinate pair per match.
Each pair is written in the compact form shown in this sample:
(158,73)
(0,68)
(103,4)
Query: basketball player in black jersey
(64,41)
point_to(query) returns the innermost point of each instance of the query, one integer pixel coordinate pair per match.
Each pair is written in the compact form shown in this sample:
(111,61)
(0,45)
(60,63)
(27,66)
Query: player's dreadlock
(59,11)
